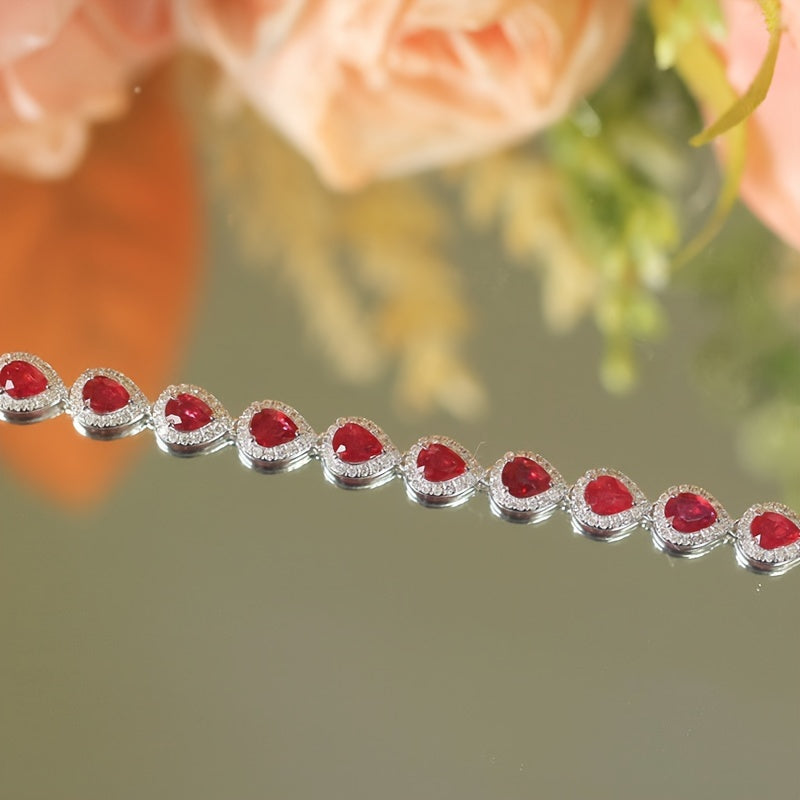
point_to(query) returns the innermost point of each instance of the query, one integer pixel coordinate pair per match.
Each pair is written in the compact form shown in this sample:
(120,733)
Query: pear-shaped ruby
(607,495)
(21,379)
(523,477)
(354,444)
(689,512)
(187,412)
(271,427)
(772,530)
(104,395)
(439,463)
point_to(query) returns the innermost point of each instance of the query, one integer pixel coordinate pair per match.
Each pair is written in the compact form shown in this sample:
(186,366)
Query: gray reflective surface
(214,633)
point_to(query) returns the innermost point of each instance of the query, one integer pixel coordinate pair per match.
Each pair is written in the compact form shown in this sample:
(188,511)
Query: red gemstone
(104,395)
(607,495)
(689,512)
(523,477)
(21,379)
(440,463)
(186,412)
(773,530)
(271,427)
(354,444)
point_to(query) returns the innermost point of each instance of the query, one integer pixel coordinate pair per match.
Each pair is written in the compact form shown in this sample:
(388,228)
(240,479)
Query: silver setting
(375,472)
(46,404)
(208,439)
(688,545)
(535,508)
(749,552)
(439,493)
(282,457)
(127,421)
(606,527)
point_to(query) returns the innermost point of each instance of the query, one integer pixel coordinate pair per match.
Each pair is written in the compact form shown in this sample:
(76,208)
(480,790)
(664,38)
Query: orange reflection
(100,269)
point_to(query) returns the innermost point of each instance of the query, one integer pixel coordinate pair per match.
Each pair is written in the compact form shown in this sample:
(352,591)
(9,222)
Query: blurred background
(491,226)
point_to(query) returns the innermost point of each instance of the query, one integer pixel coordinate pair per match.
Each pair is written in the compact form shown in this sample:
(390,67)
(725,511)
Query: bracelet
(355,453)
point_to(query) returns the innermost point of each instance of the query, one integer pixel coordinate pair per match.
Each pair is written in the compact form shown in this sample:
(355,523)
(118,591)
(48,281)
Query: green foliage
(625,166)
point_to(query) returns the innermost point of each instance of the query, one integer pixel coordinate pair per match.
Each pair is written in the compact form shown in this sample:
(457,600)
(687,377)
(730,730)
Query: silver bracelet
(355,453)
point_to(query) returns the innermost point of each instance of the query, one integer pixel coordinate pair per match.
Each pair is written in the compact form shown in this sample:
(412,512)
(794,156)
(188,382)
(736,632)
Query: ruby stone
(607,495)
(21,379)
(439,463)
(186,412)
(104,395)
(773,530)
(689,512)
(271,427)
(523,477)
(354,444)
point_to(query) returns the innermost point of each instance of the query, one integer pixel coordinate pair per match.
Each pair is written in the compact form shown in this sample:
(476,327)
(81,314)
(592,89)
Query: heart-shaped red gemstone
(354,444)
(104,395)
(439,463)
(689,512)
(21,379)
(187,412)
(772,530)
(523,477)
(607,495)
(271,427)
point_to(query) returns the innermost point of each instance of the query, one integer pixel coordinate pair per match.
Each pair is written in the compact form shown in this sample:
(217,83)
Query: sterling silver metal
(222,432)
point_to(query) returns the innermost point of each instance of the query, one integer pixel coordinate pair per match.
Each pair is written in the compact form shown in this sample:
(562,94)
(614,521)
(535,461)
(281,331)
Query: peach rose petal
(371,90)
(65,65)
(771,183)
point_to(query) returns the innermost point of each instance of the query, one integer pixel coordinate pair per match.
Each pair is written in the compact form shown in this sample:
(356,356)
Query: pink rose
(368,89)
(771,184)
(65,64)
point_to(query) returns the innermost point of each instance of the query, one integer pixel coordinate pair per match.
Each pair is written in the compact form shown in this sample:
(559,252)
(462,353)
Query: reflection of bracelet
(355,453)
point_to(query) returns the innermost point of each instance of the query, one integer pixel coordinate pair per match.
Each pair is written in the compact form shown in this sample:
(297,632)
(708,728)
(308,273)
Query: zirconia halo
(207,439)
(43,405)
(374,471)
(695,543)
(536,507)
(749,552)
(282,457)
(126,421)
(445,493)
(606,527)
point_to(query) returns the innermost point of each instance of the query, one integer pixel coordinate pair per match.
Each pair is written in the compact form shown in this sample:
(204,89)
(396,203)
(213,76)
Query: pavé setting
(615,524)
(30,389)
(126,419)
(361,470)
(285,444)
(271,436)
